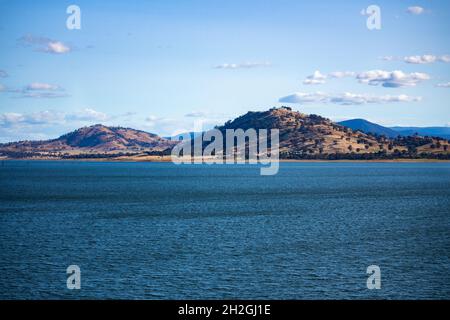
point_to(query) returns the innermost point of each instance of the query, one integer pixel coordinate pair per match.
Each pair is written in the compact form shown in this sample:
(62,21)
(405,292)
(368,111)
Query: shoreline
(373,160)
(165,160)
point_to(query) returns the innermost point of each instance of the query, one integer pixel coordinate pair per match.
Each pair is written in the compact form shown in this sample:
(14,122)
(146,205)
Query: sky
(170,66)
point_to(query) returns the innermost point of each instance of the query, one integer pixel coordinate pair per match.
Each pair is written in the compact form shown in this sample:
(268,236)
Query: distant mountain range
(443,132)
(302,136)
(393,132)
(369,127)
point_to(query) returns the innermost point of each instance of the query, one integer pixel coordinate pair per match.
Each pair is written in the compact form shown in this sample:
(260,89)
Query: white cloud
(389,79)
(87,115)
(41,90)
(3,74)
(42,86)
(152,118)
(342,74)
(42,117)
(37,90)
(245,65)
(392,79)
(345,98)
(300,97)
(164,126)
(388,58)
(44,44)
(2,88)
(416,10)
(443,85)
(424,59)
(51,117)
(9,118)
(315,78)
(444,58)
(420,59)
(57,47)
(46,117)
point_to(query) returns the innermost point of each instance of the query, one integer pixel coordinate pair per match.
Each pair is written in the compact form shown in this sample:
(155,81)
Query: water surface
(160,231)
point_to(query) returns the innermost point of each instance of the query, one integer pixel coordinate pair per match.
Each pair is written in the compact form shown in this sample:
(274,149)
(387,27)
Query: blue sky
(169,66)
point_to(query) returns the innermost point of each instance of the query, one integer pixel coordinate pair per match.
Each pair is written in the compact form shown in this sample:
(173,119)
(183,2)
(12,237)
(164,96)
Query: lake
(161,231)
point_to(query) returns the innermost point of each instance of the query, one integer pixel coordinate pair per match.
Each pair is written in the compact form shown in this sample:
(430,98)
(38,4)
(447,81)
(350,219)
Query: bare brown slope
(93,139)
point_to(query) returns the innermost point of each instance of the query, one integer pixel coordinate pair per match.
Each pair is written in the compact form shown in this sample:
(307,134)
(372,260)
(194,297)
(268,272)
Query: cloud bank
(388,79)
(345,98)
(392,79)
(427,58)
(50,117)
(420,59)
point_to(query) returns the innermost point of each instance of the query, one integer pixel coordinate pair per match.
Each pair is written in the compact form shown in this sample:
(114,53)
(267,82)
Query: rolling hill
(92,140)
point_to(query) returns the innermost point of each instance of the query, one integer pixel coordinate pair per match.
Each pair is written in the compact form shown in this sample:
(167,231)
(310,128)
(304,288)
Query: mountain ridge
(393,132)
(369,127)
(443,132)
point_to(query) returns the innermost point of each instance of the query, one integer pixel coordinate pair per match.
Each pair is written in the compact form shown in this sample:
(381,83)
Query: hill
(305,136)
(92,141)
(369,127)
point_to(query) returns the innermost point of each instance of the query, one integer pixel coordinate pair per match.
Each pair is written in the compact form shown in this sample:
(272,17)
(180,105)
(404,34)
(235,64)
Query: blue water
(160,231)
